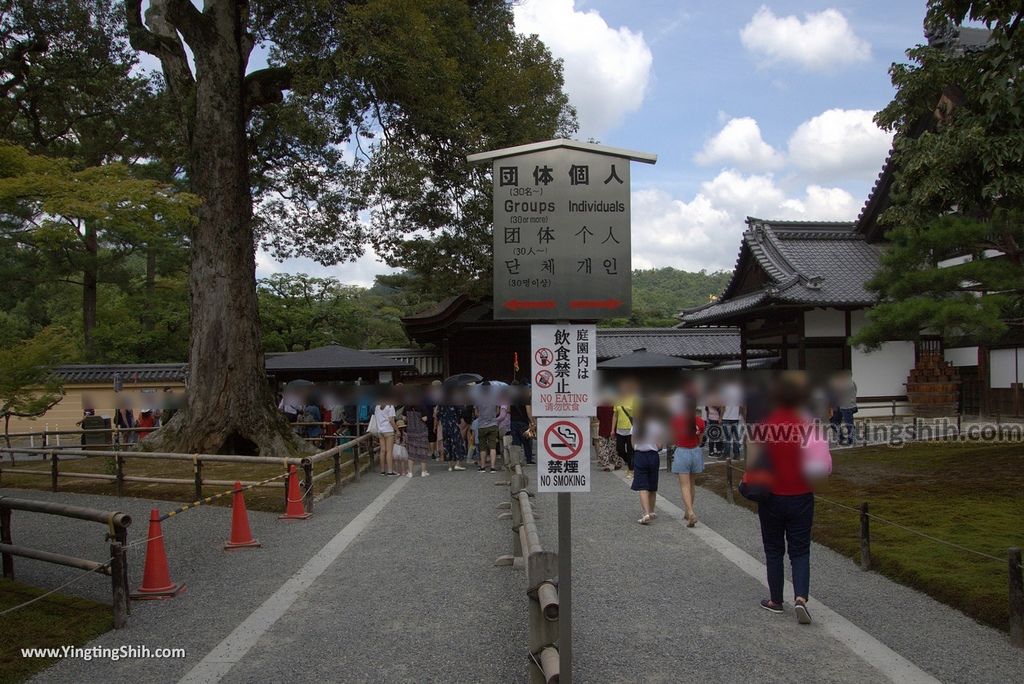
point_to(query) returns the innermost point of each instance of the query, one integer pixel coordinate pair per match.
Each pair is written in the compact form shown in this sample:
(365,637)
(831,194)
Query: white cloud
(606,69)
(739,144)
(360,272)
(704,232)
(820,42)
(840,143)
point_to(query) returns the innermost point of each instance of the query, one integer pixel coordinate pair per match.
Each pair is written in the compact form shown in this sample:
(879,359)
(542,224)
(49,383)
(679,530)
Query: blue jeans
(517,429)
(847,432)
(731,433)
(786,522)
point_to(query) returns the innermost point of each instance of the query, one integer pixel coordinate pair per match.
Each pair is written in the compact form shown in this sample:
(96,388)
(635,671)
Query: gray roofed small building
(332,362)
(704,344)
(794,263)
(88,374)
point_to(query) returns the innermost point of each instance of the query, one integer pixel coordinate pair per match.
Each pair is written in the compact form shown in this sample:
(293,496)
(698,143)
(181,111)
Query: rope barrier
(84,574)
(208,499)
(901,526)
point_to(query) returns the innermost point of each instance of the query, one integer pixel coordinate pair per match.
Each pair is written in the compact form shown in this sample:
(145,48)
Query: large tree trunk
(90,285)
(229,405)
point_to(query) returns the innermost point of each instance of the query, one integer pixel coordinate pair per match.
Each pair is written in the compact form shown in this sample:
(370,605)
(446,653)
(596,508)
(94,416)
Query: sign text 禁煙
(563,463)
(561,235)
(564,369)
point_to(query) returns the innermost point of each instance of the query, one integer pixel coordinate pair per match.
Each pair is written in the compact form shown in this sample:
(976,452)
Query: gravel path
(415,596)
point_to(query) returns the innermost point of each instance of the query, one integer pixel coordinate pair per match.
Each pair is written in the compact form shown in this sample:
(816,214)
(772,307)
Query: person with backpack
(786,509)
(688,458)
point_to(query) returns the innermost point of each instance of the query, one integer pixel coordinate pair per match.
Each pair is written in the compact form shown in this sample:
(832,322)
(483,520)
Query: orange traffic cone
(241,535)
(156,577)
(294,510)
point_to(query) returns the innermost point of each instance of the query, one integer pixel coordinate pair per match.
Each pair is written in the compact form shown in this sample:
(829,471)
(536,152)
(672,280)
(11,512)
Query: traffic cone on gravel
(241,535)
(156,576)
(294,510)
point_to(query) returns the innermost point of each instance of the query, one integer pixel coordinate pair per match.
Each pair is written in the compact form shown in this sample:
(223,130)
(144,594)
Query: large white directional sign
(561,231)
(563,461)
(563,366)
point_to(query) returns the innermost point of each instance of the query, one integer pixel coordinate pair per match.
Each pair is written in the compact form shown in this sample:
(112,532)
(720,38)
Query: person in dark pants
(519,423)
(788,515)
(623,412)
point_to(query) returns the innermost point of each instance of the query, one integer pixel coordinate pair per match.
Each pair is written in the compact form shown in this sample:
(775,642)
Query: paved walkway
(394,581)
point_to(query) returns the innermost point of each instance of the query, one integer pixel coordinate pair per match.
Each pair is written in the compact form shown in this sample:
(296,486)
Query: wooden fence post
(865,537)
(5,537)
(198,470)
(54,470)
(355,452)
(541,568)
(307,496)
(119,474)
(1016,598)
(728,480)
(337,472)
(117,582)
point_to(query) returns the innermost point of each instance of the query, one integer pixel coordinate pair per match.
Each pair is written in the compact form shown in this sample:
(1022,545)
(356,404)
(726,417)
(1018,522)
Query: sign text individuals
(561,235)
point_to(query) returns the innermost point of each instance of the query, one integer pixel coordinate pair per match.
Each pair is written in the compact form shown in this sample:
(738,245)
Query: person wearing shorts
(647,440)
(487,427)
(688,460)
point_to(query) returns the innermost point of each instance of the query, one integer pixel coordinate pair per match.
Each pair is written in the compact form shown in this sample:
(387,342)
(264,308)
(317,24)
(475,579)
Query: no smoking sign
(563,464)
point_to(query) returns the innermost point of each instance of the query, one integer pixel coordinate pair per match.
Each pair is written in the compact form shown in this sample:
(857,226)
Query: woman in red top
(688,459)
(145,420)
(786,518)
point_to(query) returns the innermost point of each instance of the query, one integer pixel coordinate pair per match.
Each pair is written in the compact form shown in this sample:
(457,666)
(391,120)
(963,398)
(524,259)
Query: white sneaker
(409,474)
(424,473)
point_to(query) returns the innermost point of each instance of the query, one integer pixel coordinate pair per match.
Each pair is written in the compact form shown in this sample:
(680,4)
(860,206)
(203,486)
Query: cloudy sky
(760,109)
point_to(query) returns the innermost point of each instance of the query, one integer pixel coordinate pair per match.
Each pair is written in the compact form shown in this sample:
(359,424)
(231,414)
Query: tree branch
(140,38)
(188,19)
(267,86)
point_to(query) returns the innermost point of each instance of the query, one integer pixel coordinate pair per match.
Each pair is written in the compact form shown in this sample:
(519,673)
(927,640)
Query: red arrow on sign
(595,304)
(516,304)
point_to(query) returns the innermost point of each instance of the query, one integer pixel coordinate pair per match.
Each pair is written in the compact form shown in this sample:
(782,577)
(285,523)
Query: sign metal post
(562,252)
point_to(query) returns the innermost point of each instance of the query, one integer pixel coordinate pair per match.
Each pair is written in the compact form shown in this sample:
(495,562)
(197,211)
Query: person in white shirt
(384,415)
(649,436)
(732,412)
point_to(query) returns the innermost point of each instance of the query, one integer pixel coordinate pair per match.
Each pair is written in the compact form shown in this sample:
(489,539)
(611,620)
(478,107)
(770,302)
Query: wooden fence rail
(358,446)
(116,566)
(541,580)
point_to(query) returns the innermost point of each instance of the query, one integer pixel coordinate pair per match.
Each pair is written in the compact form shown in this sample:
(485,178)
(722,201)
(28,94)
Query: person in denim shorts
(688,460)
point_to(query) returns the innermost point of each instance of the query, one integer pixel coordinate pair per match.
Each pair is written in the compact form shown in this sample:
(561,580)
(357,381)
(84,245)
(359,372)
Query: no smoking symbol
(545,379)
(563,440)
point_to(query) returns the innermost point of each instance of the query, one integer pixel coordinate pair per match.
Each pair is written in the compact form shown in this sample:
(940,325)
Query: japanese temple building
(464,333)
(799,291)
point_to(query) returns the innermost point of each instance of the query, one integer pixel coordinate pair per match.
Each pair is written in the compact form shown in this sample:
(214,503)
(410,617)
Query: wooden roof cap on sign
(644,157)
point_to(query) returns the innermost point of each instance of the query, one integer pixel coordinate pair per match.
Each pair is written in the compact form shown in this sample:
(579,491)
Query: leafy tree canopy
(953,265)
(28,385)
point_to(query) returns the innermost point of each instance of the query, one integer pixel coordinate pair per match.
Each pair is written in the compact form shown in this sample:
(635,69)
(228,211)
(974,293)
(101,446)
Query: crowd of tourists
(775,432)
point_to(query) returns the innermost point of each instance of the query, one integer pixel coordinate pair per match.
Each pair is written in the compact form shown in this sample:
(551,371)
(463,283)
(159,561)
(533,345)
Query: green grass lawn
(51,622)
(969,494)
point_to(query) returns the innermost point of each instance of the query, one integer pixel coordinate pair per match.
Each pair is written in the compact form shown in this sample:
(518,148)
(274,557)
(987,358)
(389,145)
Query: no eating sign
(563,464)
